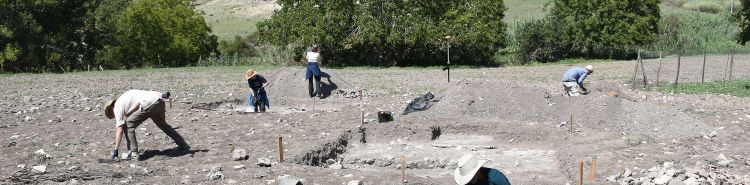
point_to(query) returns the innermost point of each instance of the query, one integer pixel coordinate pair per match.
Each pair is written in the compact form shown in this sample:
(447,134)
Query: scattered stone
(663,179)
(230,181)
(214,176)
(336,166)
(627,173)
(722,160)
(314,115)
(239,167)
(21,166)
(39,169)
(712,134)
(691,181)
(89,109)
(354,182)
(280,120)
(28,118)
(330,161)
(194,119)
(216,169)
(239,154)
(41,153)
(348,176)
(264,162)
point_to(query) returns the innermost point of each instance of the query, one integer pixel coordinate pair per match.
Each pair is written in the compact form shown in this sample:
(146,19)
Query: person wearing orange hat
(257,98)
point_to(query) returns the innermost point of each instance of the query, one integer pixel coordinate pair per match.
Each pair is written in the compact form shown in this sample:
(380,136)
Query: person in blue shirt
(471,172)
(573,80)
(257,98)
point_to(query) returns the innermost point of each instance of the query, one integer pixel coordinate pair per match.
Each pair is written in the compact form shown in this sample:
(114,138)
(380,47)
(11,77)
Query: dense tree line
(381,32)
(63,35)
(590,28)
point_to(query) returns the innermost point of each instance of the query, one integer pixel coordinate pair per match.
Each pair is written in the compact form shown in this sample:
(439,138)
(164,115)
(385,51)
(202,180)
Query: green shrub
(706,6)
(539,40)
(242,46)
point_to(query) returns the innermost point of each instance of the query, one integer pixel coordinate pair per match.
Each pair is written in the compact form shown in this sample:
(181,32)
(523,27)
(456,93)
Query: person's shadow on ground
(148,154)
(327,88)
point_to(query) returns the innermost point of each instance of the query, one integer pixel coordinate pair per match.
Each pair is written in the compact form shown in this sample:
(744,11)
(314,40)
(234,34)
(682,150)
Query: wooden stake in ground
(677,77)
(592,174)
(403,168)
(635,73)
(570,122)
(703,70)
(313,104)
(362,118)
(658,69)
(643,70)
(731,64)
(281,150)
(580,173)
(360,95)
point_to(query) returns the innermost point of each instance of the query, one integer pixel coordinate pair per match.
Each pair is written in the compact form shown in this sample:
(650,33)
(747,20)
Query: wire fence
(661,68)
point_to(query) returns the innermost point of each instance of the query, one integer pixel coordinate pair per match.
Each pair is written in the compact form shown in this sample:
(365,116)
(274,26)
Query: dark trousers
(314,87)
(156,113)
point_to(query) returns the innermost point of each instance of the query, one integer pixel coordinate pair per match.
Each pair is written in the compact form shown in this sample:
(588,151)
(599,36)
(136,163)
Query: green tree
(595,25)
(742,17)
(42,34)
(359,32)
(161,33)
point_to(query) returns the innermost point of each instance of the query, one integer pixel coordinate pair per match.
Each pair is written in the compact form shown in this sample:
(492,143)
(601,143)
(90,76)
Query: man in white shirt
(133,108)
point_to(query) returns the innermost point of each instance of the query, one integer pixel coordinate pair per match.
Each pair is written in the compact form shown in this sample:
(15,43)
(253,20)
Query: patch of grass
(227,28)
(712,32)
(739,88)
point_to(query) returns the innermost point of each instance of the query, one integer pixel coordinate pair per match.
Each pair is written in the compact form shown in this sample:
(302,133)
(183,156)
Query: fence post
(677,77)
(643,70)
(731,64)
(658,69)
(703,70)
(635,72)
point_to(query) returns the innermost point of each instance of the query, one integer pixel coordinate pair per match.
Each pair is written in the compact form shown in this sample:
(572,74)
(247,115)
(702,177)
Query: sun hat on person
(468,165)
(289,180)
(109,109)
(590,68)
(250,73)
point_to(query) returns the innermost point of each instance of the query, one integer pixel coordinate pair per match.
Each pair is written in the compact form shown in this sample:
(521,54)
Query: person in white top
(313,71)
(133,108)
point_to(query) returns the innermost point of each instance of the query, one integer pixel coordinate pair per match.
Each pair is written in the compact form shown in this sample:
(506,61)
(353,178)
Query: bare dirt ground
(496,113)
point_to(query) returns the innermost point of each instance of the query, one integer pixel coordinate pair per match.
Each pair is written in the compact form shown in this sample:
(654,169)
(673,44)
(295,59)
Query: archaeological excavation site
(380,126)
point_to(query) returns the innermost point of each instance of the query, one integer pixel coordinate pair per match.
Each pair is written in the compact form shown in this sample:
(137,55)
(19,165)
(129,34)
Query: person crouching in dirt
(133,108)
(471,172)
(313,71)
(573,80)
(257,98)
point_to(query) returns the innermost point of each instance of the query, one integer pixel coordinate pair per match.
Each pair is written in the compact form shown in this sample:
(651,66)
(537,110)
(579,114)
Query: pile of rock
(215,174)
(667,174)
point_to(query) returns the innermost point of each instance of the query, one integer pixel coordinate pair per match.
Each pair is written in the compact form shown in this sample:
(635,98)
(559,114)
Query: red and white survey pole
(448,63)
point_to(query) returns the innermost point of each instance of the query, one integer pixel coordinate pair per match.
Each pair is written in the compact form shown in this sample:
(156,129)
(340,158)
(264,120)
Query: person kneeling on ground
(313,71)
(573,79)
(257,98)
(471,172)
(133,108)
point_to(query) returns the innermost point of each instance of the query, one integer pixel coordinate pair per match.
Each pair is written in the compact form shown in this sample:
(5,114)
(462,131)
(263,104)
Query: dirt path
(497,113)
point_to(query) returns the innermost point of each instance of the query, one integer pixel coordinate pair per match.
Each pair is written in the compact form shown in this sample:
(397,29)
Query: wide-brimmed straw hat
(289,180)
(468,166)
(250,73)
(109,109)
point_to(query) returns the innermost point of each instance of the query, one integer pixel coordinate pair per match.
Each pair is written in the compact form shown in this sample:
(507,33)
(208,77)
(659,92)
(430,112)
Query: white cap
(590,67)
